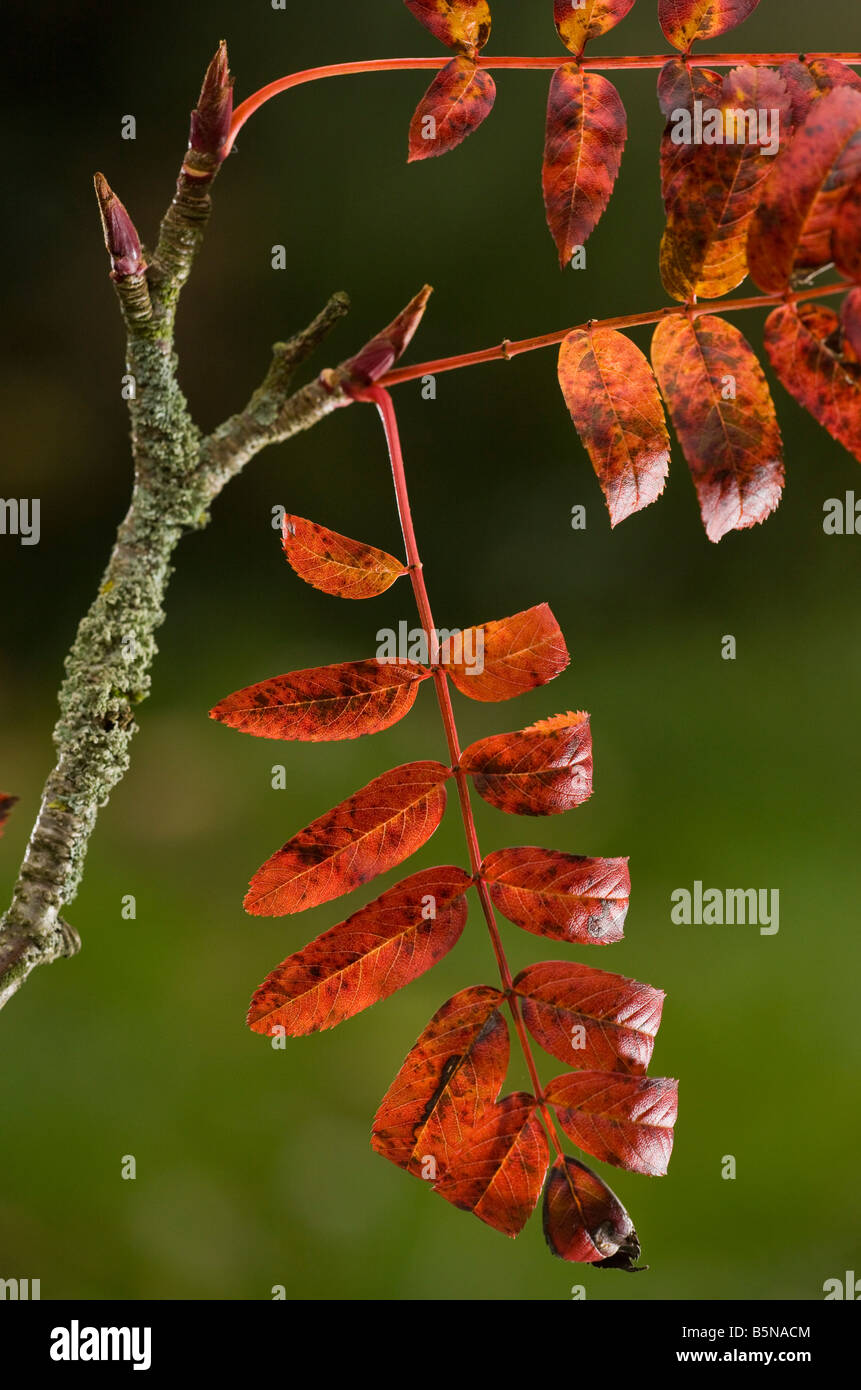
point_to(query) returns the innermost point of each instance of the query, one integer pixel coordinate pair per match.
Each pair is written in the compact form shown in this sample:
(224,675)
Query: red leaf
(325,702)
(614,402)
(499,1170)
(799,340)
(334,563)
(585,136)
(679,87)
(732,446)
(460,97)
(372,362)
(511,655)
(378,950)
(538,771)
(807,82)
(458,23)
(584,1221)
(366,835)
(716,189)
(850,319)
(792,227)
(576,26)
(564,896)
(6,804)
(685,21)
(625,1120)
(847,234)
(578,1014)
(449,1077)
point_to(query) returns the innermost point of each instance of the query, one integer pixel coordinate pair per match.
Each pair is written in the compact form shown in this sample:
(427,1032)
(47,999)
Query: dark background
(253,1166)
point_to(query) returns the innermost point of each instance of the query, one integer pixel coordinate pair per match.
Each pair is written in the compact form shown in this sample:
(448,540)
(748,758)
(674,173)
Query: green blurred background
(253,1165)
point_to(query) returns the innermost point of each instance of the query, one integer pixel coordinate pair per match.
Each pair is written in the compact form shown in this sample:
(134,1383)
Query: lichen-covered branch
(176,476)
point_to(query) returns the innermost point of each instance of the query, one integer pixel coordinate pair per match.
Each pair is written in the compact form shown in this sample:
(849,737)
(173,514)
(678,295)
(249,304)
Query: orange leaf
(378,950)
(685,21)
(585,1222)
(449,1077)
(625,1120)
(460,97)
(458,23)
(679,88)
(565,896)
(724,416)
(334,563)
(800,342)
(325,702)
(792,227)
(511,655)
(499,1170)
(704,246)
(539,771)
(576,26)
(585,136)
(373,831)
(6,804)
(603,1021)
(850,320)
(611,394)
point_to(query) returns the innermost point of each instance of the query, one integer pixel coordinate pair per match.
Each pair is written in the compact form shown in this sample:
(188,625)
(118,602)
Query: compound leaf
(585,136)
(460,97)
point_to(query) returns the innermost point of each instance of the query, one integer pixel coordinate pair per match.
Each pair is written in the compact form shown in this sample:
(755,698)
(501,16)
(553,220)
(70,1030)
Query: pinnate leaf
(576,26)
(585,136)
(499,1170)
(584,1221)
(325,702)
(613,399)
(590,1018)
(336,564)
(460,97)
(716,189)
(378,950)
(802,342)
(539,771)
(565,896)
(685,21)
(516,654)
(625,1120)
(723,413)
(366,835)
(792,227)
(449,1077)
(458,23)
(6,804)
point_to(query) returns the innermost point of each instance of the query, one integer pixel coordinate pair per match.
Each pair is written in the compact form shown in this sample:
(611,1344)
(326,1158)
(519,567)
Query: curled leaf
(585,136)
(376,951)
(538,771)
(375,359)
(460,97)
(685,21)
(461,24)
(373,831)
(613,399)
(564,896)
(448,1079)
(506,657)
(806,82)
(590,1018)
(585,1222)
(325,702)
(625,1120)
(499,1170)
(577,24)
(802,342)
(723,413)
